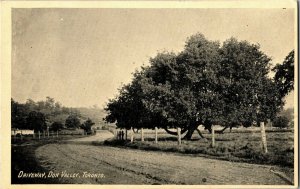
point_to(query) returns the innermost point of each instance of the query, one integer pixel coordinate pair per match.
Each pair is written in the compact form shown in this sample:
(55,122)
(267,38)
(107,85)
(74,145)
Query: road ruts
(128,166)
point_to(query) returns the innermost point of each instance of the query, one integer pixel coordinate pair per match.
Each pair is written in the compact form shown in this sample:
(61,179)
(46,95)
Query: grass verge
(231,152)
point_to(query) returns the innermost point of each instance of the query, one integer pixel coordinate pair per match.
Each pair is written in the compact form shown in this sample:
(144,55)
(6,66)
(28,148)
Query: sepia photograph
(125,95)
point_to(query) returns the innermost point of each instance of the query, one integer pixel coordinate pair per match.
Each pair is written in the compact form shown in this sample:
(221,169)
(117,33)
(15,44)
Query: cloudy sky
(80,57)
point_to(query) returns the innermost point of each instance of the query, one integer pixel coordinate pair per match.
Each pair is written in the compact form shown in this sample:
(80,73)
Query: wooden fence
(123,135)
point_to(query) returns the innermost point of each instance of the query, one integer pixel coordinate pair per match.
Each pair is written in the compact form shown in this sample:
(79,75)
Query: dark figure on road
(119,135)
(122,134)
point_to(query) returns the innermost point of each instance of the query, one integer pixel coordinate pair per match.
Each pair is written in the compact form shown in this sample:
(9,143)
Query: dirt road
(100,135)
(110,165)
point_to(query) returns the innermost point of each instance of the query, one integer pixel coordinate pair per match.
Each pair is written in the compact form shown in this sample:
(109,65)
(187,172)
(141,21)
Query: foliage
(281,122)
(204,84)
(289,113)
(18,115)
(53,112)
(87,125)
(284,76)
(36,121)
(72,121)
(56,126)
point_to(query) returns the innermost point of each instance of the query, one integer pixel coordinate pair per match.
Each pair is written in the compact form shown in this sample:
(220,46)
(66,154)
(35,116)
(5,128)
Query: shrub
(56,126)
(281,122)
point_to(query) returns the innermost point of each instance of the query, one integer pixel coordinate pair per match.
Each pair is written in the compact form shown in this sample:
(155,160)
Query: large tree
(56,126)
(18,115)
(204,84)
(87,126)
(284,76)
(72,121)
(128,109)
(36,121)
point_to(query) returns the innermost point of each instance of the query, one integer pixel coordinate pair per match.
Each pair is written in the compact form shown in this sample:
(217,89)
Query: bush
(56,126)
(281,122)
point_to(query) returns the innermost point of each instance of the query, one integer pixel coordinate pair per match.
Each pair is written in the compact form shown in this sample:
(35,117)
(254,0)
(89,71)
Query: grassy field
(240,145)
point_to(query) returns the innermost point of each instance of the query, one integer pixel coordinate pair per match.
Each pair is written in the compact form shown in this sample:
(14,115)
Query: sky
(80,57)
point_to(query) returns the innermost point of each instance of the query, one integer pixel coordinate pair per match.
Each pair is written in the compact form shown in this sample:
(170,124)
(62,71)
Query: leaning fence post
(179,135)
(212,136)
(142,135)
(155,135)
(131,136)
(263,137)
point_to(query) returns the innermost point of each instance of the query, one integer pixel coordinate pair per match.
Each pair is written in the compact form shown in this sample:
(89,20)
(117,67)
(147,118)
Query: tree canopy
(284,76)
(206,84)
(56,126)
(24,114)
(36,121)
(87,125)
(72,121)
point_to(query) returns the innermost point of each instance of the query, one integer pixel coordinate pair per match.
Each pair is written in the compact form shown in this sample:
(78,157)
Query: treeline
(205,84)
(46,115)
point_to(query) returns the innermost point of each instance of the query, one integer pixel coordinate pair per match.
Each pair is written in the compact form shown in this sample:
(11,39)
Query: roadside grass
(244,146)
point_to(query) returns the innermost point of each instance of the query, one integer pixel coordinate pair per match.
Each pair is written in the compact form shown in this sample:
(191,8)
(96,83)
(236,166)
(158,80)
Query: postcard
(149,94)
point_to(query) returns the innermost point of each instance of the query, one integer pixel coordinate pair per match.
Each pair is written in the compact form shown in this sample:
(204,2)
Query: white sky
(81,56)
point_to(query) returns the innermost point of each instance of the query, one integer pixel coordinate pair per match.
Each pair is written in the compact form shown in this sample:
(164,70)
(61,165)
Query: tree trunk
(222,131)
(199,132)
(189,134)
(174,132)
(208,125)
(192,127)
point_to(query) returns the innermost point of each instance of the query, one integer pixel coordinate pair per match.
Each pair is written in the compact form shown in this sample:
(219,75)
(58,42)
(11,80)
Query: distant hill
(95,114)
(289,113)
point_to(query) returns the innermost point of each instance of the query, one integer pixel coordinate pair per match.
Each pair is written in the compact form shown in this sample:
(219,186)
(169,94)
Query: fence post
(125,134)
(269,123)
(212,136)
(263,137)
(131,136)
(142,134)
(33,136)
(155,135)
(21,135)
(39,135)
(179,135)
(44,133)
